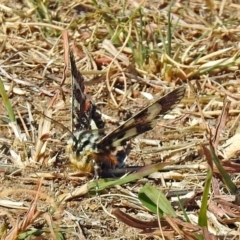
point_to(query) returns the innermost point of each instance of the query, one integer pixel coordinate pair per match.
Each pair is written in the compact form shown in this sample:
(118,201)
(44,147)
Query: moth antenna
(57,123)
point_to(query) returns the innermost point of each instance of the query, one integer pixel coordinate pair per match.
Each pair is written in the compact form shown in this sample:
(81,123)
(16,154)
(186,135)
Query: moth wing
(144,120)
(84,112)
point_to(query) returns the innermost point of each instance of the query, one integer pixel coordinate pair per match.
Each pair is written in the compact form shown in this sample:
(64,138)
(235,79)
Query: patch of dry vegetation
(126,50)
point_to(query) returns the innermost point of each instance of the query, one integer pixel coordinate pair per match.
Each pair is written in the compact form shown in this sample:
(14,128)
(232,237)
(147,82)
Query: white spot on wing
(128,134)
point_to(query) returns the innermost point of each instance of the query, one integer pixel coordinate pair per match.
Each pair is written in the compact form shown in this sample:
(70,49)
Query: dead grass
(126,51)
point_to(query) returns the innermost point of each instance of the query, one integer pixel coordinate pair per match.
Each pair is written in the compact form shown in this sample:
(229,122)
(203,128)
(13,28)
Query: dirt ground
(127,51)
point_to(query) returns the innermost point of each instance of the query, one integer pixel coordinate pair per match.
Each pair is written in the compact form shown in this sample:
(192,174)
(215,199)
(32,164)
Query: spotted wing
(83,110)
(143,121)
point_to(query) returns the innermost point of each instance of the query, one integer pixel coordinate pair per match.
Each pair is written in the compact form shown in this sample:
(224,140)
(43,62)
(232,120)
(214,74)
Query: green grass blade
(202,220)
(183,210)
(225,176)
(169,31)
(6,102)
(102,184)
(152,198)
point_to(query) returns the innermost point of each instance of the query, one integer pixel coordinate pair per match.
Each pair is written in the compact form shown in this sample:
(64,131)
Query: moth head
(82,150)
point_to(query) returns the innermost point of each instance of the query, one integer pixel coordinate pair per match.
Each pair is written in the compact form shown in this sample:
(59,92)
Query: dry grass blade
(221,123)
(22,226)
(43,134)
(133,222)
(33,213)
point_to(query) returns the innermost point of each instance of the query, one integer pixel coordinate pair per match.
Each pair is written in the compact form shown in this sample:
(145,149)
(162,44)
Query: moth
(89,145)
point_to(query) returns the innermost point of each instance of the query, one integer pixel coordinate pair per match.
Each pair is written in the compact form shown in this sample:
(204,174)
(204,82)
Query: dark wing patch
(83,110)
(144,120)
